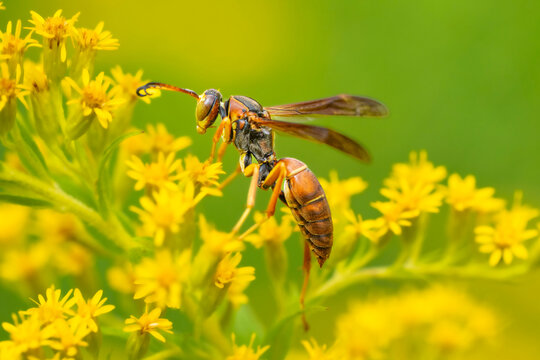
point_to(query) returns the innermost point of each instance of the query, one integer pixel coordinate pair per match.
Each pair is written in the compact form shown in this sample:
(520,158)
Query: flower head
(246,352)
(53,306)
(462,195)
(161,140)
(217,242)
(10,91)
(127,85)
(68,337)
(204,174)
(27,332)
(418,171)
(89,310)
(93,39)
(395,217)
(13,224)
(339,192)
(228,271)
(54,29)
(149,322)
(95,100)
(270,232)
(13,46)
(156,175)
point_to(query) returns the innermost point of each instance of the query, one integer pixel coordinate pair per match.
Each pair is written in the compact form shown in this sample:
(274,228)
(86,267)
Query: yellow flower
(339,192)
(2,7)
(270,232)
(127,85)
(13,224)
(28,333)
(54,30)
(418,172)
(245,352)
(203,174)
(69,337)
(373,230)
(25,264)
(13,46)
(10,91)
(163,213)
(462,194)
(55,227)
(160,280)
(395,217)
(150,323)
(95,99)
(317,352)
(160,140)
(420,197)
(52,307)
(217,242)
(122,278)
(88,311)
(228,272)
(156,175)
(93,39)
(135,145)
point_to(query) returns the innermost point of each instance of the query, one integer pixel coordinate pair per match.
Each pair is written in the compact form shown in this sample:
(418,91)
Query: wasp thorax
(207,109)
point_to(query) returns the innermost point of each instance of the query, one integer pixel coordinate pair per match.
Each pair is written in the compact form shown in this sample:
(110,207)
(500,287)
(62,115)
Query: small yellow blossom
(228,272)
(372,229)
(122,278)
(25,264)
(150,323)
(462,195)
(163,213)
(93,39)
(95,99)
(203,174)
(317,352)
(269,231)
(13,224)
(395,217)
(54,30)
(246,352)
(135,145)
(420,197)
(13,46)
(68,337)
(52,306)
(339,192)
(10,91)
(127,85)
(156,175)
(55,227)
(217,242)
(419,171)
(28,332)
(160,280)
(160,140)
(89,310)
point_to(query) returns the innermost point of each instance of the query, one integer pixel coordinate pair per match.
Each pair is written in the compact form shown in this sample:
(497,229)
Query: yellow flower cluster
(55,324)
(413,324)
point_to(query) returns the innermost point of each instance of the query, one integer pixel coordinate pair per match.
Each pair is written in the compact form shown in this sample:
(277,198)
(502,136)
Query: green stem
(65,202)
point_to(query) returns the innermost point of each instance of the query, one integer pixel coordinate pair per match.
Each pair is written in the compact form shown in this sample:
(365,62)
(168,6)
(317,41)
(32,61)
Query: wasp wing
(343,105)
(319,134)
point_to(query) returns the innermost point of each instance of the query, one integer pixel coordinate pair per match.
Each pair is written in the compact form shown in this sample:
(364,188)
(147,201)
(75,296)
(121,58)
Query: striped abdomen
(307,201)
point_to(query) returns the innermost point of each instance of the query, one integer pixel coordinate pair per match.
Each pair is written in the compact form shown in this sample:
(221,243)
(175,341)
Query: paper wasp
(249,126)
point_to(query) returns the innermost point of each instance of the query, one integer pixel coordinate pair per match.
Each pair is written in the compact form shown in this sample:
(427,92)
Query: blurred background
(461,80)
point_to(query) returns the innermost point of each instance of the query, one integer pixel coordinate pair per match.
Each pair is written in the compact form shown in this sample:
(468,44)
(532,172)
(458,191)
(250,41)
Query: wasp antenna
(143,90)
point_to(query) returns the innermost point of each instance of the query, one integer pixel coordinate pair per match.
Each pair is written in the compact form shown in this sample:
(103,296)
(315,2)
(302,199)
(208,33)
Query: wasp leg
(253,171)
(221,151)
(306,267)
(276,176)
(215,140)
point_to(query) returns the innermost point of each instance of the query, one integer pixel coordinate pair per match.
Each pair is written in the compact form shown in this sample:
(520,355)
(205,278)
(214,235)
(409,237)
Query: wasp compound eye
(207,109)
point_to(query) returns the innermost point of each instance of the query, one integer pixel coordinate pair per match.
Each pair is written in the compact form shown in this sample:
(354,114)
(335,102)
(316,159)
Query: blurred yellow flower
(52,306)
(127,85)
(339,192)
(13,46)
(269,231)
(68,337)
(317,352)
(228,271)
(122,278)
(160,280)
(2,7)
(10,91)
(395,217)
(217,242)
(161,141)
(149,322)
(157,175)
(420,197)
(25,264)
(27,332)
(55,227)
(372,229)
(14,223)
(95,98)
(246,352)
(89,310)
(418,172)
(462,195)
(54,29)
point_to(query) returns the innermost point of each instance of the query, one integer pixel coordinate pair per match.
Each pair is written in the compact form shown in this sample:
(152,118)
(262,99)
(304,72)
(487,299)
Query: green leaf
(24,200)
(103,185)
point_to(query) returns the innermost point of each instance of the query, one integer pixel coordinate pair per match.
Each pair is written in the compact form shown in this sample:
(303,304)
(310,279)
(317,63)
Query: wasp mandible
(249,126)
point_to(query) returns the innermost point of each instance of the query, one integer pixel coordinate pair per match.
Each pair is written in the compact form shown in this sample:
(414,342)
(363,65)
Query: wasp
(250,127)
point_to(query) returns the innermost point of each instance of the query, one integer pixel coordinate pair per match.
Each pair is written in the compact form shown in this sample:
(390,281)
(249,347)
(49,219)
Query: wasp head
(207,109)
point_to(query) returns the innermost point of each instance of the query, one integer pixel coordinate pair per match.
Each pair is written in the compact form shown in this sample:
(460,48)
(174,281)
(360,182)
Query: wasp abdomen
(307,201)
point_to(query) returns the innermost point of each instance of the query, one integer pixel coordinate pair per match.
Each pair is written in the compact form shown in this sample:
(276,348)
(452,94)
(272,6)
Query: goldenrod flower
(68,337)
(161,141)
(203,174)
(149,322)
(55,228)
(13,46)
(93,39)
(127,85)
(52,307)
(10,91)
(228,272)
(420,197)
(269,231)
(217,242)
(419,171)
(339,192)
(157,175)
(122,278)
(395,217)
(316,351)
(163,213)
(54,30)
(135,145)
(372,229)
(95,100)
(89,310)
(246,352)
(28,333)
(462,195)
(160,280)
(13,224)
(25,264)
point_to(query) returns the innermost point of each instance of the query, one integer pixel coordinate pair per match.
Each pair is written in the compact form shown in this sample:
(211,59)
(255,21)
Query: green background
(461,80)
